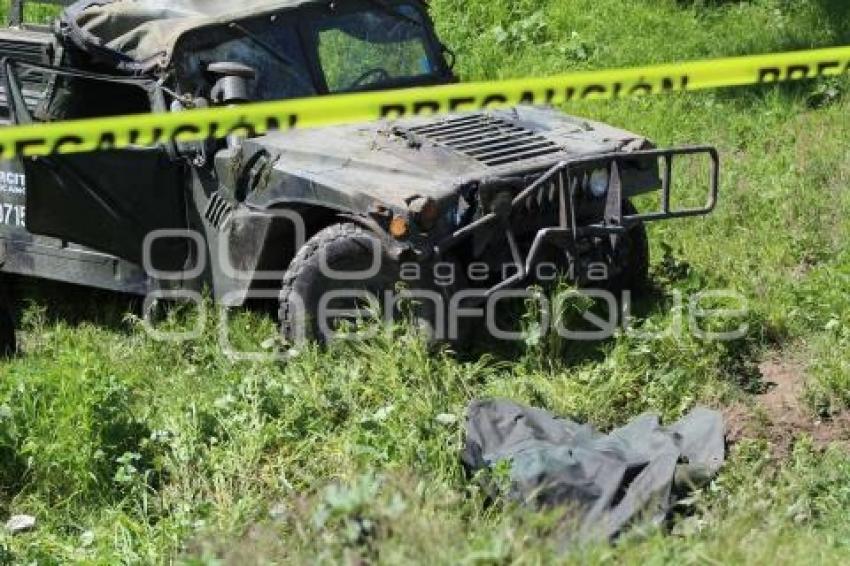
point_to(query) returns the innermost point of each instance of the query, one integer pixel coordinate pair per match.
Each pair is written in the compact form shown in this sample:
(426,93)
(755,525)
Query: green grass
(34,11)
(128,450)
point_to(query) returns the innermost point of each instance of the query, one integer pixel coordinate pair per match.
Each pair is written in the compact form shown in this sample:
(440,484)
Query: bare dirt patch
(780,416)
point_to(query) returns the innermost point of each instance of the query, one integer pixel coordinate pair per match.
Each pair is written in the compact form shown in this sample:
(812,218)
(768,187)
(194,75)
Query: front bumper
(560,187)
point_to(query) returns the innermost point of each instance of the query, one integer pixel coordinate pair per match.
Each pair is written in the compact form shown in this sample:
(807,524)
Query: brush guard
(560,185)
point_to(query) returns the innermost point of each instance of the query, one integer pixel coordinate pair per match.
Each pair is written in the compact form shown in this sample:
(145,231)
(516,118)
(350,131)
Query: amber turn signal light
(399,228)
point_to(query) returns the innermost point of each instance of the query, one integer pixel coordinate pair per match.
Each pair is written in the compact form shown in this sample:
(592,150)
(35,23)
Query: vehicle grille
(218,211)
(491,141)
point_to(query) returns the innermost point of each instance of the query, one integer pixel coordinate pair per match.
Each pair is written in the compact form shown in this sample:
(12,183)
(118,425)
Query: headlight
(599,183)
(425,212)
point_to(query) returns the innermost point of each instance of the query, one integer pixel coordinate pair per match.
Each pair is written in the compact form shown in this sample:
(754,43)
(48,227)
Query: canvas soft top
(138,36)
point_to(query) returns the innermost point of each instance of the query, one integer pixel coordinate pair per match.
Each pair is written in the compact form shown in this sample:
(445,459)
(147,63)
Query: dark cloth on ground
(638,471)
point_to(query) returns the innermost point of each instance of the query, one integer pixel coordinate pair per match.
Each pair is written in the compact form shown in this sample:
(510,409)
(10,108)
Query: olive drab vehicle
(300,215)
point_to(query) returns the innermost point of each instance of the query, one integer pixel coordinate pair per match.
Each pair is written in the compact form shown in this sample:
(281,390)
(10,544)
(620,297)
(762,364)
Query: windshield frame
(303,20)
(435,50)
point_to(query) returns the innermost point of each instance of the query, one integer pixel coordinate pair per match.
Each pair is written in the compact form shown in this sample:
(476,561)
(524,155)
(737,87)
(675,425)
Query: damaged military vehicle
(319,219)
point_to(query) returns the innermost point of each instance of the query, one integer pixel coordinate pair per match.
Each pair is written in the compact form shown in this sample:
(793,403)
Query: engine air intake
(491,141)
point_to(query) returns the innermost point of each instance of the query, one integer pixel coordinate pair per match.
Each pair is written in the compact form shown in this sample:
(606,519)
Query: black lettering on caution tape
(242,128)
(494,100)
(456,104)
(183,129)
(392,111)
(426,107)
(799,71)
(136,137)
(21,146)
(593,89)
(67,143)
(108,141)
(641,87)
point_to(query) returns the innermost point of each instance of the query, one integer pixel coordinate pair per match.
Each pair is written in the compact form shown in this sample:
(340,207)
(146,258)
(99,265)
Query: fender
(395,249)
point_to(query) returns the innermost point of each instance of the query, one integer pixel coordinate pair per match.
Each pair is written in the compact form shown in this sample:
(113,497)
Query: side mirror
(233,85)
(196,152)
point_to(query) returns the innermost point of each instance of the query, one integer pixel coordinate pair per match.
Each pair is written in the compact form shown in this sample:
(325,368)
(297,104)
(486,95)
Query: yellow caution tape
(153,129)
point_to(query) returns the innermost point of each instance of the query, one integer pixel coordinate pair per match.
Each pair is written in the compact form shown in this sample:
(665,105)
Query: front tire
(359,265)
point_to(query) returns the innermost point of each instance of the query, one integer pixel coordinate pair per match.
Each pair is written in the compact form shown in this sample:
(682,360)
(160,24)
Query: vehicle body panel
(376,163)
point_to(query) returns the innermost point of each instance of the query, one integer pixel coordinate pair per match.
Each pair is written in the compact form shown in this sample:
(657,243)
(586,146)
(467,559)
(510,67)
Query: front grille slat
(459,129)
(477,145)
(477,132)
(218,211)
(493,154)
(531,154)
(485,150)
(442,126)
(487,139)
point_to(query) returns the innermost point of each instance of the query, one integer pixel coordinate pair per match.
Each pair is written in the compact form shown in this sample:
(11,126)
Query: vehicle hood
(393,161)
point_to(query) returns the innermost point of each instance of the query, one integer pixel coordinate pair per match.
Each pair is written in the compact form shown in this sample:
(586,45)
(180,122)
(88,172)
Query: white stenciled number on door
(13,214)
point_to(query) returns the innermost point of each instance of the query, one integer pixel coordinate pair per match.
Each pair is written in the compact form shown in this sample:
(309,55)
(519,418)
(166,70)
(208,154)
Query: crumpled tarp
(607,481)
(140,35)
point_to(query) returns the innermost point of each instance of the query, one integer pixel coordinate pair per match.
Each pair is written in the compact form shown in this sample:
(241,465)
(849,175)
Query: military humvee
(489,196)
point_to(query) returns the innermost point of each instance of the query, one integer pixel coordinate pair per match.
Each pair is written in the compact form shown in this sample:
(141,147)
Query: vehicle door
(109,201)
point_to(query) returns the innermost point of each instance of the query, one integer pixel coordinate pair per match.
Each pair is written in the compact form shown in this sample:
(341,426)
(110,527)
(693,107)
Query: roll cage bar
(16,10)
